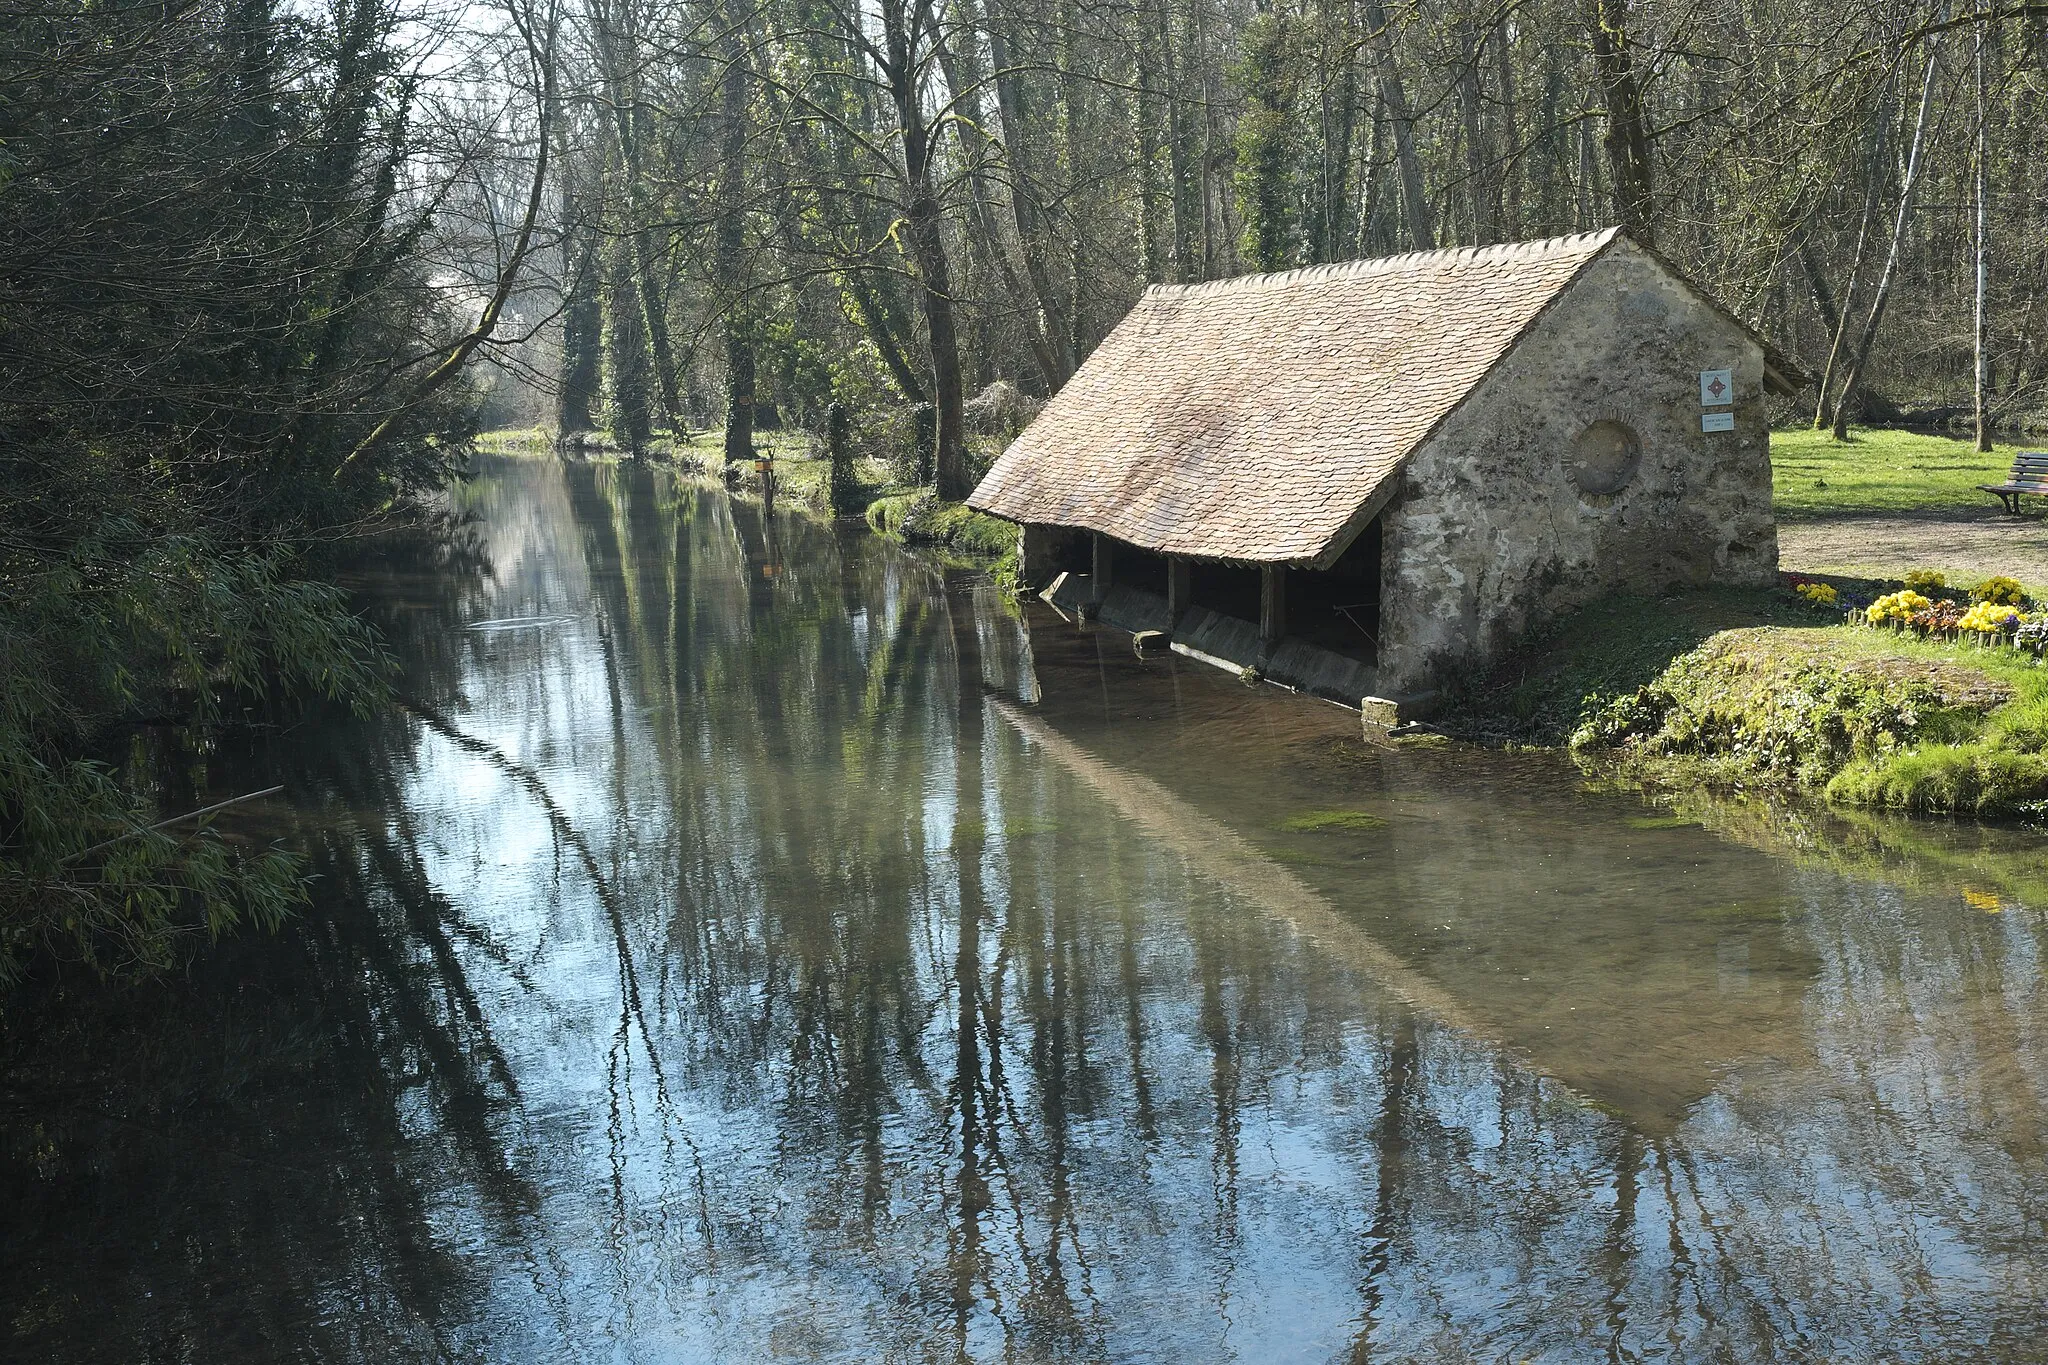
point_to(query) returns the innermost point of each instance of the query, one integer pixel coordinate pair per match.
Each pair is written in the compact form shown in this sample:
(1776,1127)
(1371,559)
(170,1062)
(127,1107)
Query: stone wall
(1529,501)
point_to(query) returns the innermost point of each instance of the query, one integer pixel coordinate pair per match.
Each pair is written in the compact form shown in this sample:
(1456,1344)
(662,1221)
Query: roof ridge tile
(1366,267)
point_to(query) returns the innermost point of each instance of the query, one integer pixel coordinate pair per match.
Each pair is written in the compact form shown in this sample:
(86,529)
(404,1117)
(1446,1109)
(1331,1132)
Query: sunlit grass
(516,441)
(1813,475)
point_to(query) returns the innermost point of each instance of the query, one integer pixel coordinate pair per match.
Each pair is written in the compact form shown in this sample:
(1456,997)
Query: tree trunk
(962,69)
(1414,201)
(1817,284)
(1981,382)
(739,332)
(1478,161)
(1508,170)
(1180,155)
(1874,176)
(582,311)
(1628,137)
(1152,241)
(1339,107)
(1032,233)
(631,420)
(928,249)
(619,47)
(1891,260)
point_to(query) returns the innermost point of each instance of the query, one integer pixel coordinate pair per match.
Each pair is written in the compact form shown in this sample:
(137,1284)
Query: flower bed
(1996,615)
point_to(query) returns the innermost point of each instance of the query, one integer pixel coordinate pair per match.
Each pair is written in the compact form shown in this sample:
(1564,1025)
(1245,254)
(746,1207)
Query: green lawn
(1880,471)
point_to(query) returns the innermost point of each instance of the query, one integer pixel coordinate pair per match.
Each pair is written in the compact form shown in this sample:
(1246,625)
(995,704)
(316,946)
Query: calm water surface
(755,943)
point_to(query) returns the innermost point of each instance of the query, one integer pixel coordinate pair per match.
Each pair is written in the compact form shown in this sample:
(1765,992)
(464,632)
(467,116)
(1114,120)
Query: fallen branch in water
(141,830)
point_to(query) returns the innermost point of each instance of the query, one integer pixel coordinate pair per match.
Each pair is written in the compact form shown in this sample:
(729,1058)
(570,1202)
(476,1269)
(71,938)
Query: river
(754,942)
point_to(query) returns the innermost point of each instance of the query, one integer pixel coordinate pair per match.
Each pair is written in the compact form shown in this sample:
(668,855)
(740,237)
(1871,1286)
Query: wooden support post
(1104,566)
(1178,577)
(1272,603)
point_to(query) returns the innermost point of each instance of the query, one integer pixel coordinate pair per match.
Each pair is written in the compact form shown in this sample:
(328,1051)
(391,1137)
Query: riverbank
(803,478)
(1735,690)
(919,518)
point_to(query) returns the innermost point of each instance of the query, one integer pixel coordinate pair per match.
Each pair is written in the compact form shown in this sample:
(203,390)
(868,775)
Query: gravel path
(1964,546)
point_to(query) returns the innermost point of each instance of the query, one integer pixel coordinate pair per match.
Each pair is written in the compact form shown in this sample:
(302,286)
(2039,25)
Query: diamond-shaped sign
(1717,388)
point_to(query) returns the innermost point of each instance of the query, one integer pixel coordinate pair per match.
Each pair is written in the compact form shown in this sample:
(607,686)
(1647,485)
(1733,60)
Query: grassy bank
(1880,473)
(802,478)
(1868,717)
(919,518)
(1546,689)
(1735,689)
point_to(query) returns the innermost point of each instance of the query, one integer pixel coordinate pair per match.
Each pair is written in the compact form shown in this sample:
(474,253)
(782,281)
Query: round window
(1605,459)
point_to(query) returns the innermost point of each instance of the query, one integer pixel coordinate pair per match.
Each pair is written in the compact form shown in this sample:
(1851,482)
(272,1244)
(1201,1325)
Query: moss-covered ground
(917,517)
(1755,689)
(1546,689)
(1872,718)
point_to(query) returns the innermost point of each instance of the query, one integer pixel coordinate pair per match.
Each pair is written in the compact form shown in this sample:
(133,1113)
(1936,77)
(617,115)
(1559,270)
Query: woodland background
(903,202)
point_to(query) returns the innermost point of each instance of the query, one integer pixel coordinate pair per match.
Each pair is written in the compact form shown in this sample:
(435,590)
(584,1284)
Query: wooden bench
(2029,475)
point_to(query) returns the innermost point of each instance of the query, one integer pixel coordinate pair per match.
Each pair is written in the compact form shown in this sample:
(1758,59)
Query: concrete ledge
(1321,673)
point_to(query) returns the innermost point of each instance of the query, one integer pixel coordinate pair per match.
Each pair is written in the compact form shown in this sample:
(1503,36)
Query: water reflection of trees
(713,964)
(932,979)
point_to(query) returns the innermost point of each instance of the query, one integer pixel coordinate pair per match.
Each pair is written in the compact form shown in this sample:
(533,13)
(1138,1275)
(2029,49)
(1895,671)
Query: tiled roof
(1250,419)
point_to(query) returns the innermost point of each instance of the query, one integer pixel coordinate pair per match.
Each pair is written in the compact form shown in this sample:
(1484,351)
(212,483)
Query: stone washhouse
(1365,480)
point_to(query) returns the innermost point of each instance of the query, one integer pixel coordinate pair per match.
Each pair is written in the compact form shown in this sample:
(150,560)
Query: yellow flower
(1989,617)
(1895,606)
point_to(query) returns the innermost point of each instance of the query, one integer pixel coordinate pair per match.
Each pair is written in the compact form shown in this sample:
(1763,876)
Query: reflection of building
(1445,448)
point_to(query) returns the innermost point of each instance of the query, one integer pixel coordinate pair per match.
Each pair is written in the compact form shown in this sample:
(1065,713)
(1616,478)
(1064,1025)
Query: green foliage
(805,370)
(120,620)
(891,514)
(919,518)
(1309,821)
(211,291)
